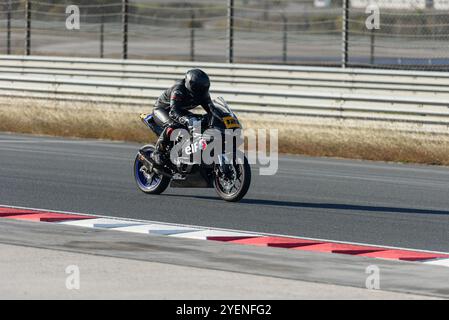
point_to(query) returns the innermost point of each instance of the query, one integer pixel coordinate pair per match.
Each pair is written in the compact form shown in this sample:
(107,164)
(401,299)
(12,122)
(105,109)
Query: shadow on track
(329,206)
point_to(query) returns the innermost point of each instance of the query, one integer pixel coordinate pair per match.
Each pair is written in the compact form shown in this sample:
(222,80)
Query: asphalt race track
(375,203)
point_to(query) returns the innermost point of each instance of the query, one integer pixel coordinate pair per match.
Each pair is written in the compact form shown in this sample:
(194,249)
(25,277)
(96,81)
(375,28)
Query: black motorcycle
(228,174)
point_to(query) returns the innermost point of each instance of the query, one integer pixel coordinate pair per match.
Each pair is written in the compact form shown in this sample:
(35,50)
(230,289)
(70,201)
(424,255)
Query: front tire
(244,173)
(149,182)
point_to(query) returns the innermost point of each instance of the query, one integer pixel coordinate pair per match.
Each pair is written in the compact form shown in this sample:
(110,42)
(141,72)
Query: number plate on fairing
(231,122)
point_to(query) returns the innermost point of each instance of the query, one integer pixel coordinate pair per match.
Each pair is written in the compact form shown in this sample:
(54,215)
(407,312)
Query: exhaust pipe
(152,166)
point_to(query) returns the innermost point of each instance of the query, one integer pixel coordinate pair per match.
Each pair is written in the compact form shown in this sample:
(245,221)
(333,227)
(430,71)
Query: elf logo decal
(203,144)
(194,147)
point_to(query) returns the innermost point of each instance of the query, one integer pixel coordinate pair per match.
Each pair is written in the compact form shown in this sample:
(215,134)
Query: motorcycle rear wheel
(149,182)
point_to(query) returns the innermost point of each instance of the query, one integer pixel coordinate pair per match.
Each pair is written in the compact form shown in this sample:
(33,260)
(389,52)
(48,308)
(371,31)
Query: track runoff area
(198,234)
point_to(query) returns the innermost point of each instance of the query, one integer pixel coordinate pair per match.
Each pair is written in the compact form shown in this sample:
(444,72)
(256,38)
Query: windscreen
(220,108)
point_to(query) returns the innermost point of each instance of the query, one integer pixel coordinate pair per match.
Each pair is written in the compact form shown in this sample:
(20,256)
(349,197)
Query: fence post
(285,38)
(230,31)
(8,27)
(373,46)
(192,36)
(102,37)
(28,27)
(125,11)
(345,34)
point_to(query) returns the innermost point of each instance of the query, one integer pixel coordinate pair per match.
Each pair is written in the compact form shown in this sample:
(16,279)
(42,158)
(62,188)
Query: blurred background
(413,34)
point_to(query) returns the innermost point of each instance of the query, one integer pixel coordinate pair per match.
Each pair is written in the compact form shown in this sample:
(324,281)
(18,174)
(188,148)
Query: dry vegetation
(72,120)
(298,136)
(367,143)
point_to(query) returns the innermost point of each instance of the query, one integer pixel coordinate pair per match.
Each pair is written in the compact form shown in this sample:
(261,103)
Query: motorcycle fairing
(197,179)
(147,119)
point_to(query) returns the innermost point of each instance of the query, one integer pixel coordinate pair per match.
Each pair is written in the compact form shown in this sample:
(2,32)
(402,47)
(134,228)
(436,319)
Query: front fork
(225,164)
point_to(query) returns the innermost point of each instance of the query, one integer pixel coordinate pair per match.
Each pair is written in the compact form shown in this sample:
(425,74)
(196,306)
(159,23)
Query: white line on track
(438,262)
(368,164)
(67,154)
(104,143)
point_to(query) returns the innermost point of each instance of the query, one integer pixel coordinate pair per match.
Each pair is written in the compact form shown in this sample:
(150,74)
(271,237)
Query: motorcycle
(229,175)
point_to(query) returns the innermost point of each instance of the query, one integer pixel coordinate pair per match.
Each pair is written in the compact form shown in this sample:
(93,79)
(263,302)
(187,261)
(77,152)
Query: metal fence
(244,31)
(417,98)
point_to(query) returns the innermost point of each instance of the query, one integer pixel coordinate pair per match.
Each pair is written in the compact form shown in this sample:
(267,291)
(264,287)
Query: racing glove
(189,122)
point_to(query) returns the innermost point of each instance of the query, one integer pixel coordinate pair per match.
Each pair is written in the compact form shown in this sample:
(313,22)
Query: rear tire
(158,183)
(243,189)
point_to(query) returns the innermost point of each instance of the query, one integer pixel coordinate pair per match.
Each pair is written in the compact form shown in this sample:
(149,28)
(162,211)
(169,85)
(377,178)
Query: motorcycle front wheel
(234,185)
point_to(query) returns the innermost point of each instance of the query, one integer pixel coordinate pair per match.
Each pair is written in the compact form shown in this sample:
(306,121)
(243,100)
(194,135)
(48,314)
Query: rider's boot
(157,155)
(157,158)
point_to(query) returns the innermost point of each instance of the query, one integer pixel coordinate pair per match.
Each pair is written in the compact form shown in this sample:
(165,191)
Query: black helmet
(197,82)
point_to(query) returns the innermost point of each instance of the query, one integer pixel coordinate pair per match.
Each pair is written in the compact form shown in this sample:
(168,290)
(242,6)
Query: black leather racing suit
(177,101)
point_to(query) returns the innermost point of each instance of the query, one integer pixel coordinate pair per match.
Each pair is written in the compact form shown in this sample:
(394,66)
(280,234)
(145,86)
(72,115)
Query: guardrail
(361,94)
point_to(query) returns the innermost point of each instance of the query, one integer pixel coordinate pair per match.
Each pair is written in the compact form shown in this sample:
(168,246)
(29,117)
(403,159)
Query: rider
(176,101)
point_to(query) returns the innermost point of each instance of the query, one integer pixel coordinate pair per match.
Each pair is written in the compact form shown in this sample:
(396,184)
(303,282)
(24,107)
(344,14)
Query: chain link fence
(411,33)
